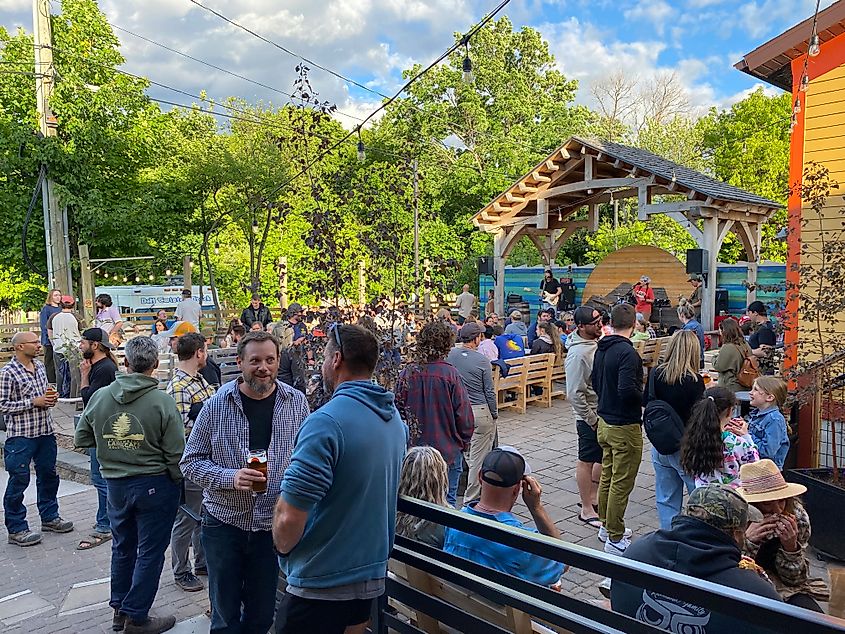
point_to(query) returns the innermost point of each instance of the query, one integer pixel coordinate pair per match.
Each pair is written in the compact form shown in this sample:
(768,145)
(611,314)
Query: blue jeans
(141,513)
(102,524)
(62,374)
(455,470)
(669,482)
(242,571)
(17,454)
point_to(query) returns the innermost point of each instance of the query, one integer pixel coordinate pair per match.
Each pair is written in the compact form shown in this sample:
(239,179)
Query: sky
(372,41)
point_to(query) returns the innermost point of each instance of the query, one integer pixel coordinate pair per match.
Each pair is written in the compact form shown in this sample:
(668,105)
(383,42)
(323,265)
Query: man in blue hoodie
(335,518)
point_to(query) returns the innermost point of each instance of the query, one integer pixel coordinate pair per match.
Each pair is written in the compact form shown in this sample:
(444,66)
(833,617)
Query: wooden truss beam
(596,183)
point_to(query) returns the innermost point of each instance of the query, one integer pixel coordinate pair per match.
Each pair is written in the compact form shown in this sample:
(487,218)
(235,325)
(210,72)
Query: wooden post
(362,284)
(283,283)
(87,286)
(711,245)
(426,288)
(187,264)
(499,268)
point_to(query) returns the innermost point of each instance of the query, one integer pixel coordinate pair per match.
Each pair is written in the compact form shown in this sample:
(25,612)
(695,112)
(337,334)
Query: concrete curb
(70,465)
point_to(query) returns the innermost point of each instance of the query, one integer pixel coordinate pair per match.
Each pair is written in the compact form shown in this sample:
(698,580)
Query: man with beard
(97,369)
(335,518)
(253,415)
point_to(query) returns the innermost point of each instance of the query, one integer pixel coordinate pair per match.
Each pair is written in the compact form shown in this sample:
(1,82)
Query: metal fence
(559,610)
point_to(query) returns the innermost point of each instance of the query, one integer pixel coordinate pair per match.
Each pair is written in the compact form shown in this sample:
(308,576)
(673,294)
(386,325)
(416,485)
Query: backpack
(749,371)
(663,427)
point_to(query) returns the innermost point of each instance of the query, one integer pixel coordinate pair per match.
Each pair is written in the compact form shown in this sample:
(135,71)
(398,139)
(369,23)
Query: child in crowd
(640,331)
(766,424)
(714,445)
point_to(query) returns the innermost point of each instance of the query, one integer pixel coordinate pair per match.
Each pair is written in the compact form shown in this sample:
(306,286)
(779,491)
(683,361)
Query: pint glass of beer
(257,459)
(51,390)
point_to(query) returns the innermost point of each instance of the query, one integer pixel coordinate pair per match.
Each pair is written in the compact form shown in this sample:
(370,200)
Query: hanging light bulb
(469,78)
(168,272)
(152,277)
(559,216)
(254,230)
(362,154)
(125,280)
(137,279)
(797,107)
(805,83)
(815,46)
(105,275)
(216,248)
(191,262)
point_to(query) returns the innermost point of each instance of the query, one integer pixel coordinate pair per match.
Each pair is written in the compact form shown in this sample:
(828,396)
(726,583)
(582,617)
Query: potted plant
(817,377)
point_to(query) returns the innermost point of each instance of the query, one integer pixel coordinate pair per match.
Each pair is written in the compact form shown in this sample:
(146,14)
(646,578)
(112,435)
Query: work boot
(57,525)
(118,621)
(25,538)
(153,625)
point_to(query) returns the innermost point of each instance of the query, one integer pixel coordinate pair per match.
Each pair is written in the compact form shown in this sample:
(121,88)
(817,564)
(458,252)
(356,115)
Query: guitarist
(550,290)
(643,296)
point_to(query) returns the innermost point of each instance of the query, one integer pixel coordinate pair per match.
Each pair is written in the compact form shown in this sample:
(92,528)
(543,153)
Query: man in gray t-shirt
(465,303)
(477,376)
(189,309)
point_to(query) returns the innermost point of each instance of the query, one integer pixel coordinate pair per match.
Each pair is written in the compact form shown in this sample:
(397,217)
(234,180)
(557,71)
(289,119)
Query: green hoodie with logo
(135,427)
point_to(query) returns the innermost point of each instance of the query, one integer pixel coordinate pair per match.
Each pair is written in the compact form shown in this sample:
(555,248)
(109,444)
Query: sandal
(93,540)
(594,522)
(595,506)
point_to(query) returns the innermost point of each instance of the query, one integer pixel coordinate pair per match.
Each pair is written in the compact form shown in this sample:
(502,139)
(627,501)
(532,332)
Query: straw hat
(762,481)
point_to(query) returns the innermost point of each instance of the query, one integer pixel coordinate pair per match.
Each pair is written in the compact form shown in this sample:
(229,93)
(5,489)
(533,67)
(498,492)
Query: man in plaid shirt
(432,399)
(190,390)
(253,413)
(26,405)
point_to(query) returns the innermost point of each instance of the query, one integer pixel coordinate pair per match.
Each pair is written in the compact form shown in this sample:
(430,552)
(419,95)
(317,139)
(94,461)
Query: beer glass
(51,392)
(257,460)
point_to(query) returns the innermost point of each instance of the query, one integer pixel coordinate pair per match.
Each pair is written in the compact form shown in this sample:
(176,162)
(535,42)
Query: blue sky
(373,40)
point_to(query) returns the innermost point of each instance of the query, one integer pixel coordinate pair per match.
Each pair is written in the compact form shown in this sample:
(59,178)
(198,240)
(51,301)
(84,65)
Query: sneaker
(604,588)
(201,572)
(118,621)
(189,583)
(616,548)
(153,625)
(25,538)
(57,525)
(603,534)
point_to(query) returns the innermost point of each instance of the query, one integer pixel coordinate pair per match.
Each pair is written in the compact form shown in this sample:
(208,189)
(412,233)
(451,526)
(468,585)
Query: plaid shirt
(18,386)
(187,390)
(218,447)
(435,404)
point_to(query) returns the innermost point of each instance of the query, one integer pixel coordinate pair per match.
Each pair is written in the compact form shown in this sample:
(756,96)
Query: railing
(553,608)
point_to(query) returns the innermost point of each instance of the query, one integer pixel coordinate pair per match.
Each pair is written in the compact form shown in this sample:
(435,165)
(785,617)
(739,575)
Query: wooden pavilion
(562,194)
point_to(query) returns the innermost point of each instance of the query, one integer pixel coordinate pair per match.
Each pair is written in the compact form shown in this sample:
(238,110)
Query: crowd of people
(335,413)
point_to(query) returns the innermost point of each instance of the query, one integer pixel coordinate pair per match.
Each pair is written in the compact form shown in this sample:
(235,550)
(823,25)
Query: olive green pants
(622,452)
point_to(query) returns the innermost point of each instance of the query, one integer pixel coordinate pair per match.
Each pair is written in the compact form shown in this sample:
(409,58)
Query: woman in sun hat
(778,544)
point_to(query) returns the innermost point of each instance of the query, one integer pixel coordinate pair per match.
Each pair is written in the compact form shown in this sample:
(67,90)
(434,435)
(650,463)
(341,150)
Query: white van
(146,300)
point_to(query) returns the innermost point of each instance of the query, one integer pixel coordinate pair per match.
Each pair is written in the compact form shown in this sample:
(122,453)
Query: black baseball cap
(98,335)
(584,315)
(504,467)
(757,307)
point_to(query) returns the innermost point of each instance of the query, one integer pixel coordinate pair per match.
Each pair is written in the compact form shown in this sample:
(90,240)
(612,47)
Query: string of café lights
(813,50)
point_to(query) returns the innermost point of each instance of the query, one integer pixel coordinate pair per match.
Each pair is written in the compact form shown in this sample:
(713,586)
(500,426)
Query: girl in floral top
(714,445)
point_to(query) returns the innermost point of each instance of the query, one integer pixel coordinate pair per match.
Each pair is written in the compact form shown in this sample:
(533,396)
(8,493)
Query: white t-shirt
(65,332)
(107,318)
(465,304)
(189,310)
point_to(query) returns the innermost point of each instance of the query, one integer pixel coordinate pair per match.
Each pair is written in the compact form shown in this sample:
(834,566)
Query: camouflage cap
(721,507)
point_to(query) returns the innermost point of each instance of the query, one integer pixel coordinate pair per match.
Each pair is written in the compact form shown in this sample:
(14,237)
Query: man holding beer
(25,401)
(239,448)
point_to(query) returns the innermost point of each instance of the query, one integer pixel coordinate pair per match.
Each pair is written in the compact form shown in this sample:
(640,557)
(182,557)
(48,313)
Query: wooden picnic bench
(534,370)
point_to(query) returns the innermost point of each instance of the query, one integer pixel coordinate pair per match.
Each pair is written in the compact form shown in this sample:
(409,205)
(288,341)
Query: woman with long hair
(50,308)
(715,446)
(732,353)
(548,341)
(678,383)
(229,338)
(425,477)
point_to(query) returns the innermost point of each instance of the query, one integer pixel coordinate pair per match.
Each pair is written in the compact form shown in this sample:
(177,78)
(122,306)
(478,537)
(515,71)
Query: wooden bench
(558,379)
(539,374)
(650,350)
(506,617)
(227,359)
(513,383)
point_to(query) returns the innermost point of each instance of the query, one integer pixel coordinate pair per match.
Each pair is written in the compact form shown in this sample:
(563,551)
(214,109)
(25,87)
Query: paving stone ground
(52,588)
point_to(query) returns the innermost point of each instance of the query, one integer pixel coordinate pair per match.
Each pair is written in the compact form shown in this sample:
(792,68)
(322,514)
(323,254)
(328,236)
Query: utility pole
(416,238)
(87,284)
(55,221)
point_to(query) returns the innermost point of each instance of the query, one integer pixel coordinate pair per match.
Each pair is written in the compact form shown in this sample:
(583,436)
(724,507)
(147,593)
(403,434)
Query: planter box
(825,503)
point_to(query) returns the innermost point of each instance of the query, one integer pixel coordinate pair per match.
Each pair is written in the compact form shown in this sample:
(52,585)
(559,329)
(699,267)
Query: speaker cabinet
(485,265)
(697,260)
(721,301)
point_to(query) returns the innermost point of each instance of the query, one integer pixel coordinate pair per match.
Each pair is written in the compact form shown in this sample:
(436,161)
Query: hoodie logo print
(121,436)
(672,615)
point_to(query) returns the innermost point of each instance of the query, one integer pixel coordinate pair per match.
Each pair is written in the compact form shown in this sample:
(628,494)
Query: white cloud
(654,12)
(769,91)
(15,5)
(758,17)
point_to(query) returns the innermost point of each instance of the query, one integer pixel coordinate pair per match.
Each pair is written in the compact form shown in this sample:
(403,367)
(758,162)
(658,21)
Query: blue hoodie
(768,429)
(345,472)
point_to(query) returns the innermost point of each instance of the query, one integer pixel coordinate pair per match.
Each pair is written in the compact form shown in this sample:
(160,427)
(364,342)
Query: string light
(105,275)
(467,66)
(797,107)
(168,272)
(137,279)
(125,280)
(254,230)
(815,46)
(152,277)
(805,83)
(216,248)
(362,154)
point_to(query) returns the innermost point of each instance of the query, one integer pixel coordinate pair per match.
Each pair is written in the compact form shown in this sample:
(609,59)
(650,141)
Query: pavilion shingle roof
(685,176)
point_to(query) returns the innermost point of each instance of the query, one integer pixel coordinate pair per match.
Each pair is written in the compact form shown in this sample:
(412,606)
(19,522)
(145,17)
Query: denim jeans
(17,454)
(242,571)
(141,512)
(455,470)
(669,482)
(102,524)
(62,374)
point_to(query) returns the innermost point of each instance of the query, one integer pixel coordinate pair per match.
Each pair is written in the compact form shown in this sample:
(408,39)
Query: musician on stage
(695,297)
(643,296)
(550,290)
